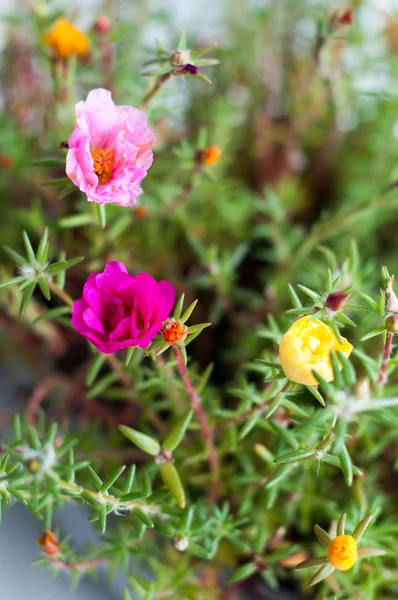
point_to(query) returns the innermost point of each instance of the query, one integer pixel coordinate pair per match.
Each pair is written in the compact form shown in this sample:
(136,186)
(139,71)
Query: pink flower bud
(337,300)
(392,323)
(103,24)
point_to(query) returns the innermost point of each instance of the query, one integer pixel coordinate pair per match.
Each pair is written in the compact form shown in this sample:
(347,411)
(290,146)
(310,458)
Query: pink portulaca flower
(118,310)
(109,150)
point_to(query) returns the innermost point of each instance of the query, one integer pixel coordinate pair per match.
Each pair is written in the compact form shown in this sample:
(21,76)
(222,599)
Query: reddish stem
(186,190)
(39,394)
(382,380)
(79,565)
(202,418)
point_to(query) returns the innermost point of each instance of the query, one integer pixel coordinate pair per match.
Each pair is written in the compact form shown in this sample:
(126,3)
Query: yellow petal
(306,347)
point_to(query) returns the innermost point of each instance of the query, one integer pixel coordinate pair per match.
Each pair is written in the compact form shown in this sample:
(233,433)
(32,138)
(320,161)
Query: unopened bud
(173,331)
(141,212)
(33,465)
(337,300)
(5,161)
(209,156)
(392,323)
(191,69)
(164,456)
(347,18)
(181,543)
(179,57)
(103,24)
(48,543)
(391,299)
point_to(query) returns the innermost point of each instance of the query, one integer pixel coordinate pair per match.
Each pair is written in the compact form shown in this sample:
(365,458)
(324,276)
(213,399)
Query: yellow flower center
(306,347)
(103,164)
(65,40)
(343,552)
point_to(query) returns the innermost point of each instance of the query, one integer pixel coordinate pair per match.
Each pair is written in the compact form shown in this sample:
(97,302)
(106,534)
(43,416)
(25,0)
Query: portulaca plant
(205,385)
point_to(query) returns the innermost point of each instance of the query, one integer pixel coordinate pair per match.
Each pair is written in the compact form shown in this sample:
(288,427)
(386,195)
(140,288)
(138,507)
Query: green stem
(77,490)
(155,89)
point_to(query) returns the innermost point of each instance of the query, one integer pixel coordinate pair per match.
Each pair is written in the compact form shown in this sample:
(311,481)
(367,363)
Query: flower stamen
(343,552)
(103,164)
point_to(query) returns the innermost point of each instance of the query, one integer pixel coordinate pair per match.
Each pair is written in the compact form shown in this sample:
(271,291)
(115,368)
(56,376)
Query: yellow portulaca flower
(306,347)
(66,40)
(342,550)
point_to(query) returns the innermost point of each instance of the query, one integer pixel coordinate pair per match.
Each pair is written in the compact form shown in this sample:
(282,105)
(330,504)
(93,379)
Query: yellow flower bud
(306,347)
(65,40)
(343,552)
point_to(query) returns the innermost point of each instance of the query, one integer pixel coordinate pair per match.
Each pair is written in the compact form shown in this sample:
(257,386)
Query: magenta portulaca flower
(109,150)
(118,310)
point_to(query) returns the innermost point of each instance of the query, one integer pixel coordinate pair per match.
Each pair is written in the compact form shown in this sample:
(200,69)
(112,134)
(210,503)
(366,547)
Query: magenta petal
(92,321)
(115,267)
(119,310)
(169,295)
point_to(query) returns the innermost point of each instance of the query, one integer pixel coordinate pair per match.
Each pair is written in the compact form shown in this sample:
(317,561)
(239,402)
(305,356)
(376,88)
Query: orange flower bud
(174,331)
(48,543)
(5,161)
(141,212)
(209,156)
(343,552)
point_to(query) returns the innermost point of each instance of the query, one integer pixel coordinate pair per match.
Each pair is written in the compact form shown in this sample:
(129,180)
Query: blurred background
(308,128)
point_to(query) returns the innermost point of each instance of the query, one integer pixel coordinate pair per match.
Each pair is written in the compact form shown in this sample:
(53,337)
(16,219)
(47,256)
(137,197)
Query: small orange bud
(48,543)
(141,212)
(337,300)
(209,156)
(5,161)
(174,331)
(103,24)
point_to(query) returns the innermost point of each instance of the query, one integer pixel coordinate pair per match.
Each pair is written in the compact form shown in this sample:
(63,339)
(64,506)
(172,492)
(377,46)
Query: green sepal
(145,442)
(172,480)
(177,432)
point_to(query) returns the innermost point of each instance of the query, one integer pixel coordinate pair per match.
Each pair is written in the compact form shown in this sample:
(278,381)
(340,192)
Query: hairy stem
(382,380)
(79,565)
(186,190)
(202,418)
(155,89)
